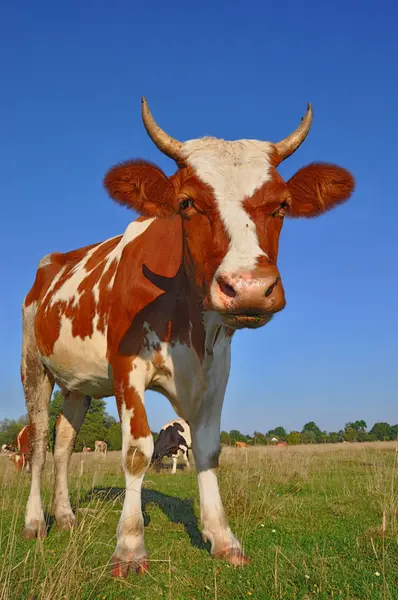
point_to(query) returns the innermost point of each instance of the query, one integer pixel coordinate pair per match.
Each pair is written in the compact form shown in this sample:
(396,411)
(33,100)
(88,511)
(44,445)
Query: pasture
(315,522)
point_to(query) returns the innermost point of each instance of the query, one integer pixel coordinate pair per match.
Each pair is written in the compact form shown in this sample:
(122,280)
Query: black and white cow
(174,440)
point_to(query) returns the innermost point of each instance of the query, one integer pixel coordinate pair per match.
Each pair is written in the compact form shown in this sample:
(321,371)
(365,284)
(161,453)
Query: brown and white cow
(101,447)
(86,450)
(156,308)
(23,449)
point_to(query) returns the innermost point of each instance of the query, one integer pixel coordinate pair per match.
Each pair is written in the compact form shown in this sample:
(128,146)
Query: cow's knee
(138,456)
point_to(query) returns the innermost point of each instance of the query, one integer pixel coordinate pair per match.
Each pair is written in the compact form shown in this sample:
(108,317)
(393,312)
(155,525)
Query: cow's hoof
(35,530)
(233,556)
(142,566)
(66,522)
(120,567)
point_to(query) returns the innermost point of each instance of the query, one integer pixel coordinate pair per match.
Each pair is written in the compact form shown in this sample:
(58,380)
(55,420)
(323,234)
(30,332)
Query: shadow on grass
(177,510)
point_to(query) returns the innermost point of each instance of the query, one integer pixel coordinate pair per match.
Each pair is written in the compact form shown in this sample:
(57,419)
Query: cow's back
(185,432)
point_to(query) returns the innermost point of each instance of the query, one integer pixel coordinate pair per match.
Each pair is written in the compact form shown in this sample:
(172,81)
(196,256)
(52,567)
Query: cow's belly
(81,364)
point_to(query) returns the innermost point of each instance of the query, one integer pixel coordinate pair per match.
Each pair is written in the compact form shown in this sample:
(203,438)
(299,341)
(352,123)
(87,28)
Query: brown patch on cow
(127,396)
(160,365)
(104,296)
(136,461)
(152,287)
(81,308)
(46,274)
(102,252)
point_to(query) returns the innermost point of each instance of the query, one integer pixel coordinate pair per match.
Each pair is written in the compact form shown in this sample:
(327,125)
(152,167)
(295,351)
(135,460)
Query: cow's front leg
(205,431)
(137,450)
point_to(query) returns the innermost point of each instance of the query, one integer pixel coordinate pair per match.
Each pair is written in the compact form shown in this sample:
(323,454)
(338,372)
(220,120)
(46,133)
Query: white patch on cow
(183,384)
(81,365)
(234,170)
(46,260)
(214,522)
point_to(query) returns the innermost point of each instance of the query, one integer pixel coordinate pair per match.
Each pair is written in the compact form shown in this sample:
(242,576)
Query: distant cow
(22,457)
(241,445)
(101,447)
(86,449)
(174,439)
(7,448)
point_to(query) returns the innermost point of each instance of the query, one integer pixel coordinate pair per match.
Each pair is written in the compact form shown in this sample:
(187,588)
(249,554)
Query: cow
(174,440)
(101,447)
(86,450)
(7,448)
(157,307)
(241,445)
(21,457)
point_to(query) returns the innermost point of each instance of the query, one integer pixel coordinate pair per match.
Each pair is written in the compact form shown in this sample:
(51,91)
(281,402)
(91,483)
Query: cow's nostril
(269,291)
(226,289)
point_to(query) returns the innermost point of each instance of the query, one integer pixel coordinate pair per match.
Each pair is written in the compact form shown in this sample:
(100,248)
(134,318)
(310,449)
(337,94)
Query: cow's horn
(163,141)
(290,144)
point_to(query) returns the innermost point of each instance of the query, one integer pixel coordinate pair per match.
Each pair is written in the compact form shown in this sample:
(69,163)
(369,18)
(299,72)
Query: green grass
(315,522)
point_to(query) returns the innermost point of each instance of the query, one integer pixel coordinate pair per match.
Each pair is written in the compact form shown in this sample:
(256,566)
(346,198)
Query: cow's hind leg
(38,385)
(137,452)
(186,459)
(174,469)
(67,427)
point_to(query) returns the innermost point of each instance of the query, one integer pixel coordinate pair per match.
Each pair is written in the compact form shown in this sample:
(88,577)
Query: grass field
(315,522)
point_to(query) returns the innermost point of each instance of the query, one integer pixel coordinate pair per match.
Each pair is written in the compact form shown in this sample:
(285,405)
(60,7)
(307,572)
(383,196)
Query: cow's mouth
(244,320)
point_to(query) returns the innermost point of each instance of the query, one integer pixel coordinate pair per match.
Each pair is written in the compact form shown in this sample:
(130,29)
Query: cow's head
(232,202)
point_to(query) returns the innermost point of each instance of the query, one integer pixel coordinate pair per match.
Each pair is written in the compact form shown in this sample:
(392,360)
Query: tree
(259,438)
(356,425)
(335,437)
(56,406)
(278,432)
(236,436)
(308,437)
(394,432)
(294,438)
(313,427)
(113,436)
(381,430)
(225,438)
(350,434)
(93,427)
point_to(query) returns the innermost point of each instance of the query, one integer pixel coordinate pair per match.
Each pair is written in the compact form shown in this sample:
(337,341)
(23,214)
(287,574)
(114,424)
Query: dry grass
(316,521)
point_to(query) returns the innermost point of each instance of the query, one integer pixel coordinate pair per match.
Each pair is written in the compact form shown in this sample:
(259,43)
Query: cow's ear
(142,186)
(317,188)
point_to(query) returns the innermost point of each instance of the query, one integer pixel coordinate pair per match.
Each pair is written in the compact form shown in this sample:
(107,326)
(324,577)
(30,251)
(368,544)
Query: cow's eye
(186,203)
(282,209)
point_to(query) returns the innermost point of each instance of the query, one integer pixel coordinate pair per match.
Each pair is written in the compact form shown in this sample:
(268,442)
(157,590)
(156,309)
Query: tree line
(355,431)
(99,425)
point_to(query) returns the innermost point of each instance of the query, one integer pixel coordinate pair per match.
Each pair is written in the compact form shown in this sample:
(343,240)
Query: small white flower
(262,525)
(377,574)
(307,576)
(274,531)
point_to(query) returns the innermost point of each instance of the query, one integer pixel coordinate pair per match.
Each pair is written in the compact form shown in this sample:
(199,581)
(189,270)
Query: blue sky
(72,78)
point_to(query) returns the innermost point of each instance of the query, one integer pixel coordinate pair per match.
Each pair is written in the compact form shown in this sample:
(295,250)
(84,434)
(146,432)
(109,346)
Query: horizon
(73,80)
